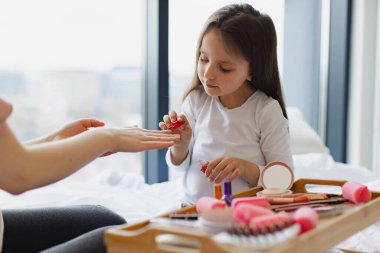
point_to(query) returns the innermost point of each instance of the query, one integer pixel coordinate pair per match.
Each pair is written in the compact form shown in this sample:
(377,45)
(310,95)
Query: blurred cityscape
(46,101)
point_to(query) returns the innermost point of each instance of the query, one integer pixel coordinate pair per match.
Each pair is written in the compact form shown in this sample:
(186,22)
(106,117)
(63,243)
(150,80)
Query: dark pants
(61,229)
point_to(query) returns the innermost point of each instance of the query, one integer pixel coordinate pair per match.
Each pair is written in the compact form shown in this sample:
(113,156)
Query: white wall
(376,132)
(363,84)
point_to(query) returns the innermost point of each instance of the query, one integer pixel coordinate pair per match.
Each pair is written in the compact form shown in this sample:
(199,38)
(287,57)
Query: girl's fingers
(167,120)
(209,169)
(227,170)
(234,175)
(211,166)
(173,116)
(221,164)
(162,125)
(215,172)
(182,118)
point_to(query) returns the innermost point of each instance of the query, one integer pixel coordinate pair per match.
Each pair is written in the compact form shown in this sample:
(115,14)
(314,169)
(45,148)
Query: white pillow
(303,138)
(323,166)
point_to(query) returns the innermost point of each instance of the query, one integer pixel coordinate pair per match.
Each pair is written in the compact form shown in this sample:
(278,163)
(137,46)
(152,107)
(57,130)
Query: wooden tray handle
(299,185)
(184,240)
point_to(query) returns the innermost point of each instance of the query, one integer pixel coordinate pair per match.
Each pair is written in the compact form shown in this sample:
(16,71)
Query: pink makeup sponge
(269,222)
(257,201)
(306,217)
(207,203)
(356,193)
(244,212)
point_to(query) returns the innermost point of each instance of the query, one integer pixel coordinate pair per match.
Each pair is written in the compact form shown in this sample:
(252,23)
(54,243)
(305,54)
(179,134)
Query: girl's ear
(249,77)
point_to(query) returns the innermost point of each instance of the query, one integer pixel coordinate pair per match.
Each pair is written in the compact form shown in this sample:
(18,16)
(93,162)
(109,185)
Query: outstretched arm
(69,130)
(26,167)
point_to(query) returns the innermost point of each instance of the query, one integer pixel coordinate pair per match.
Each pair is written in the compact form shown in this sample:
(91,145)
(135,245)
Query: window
(67,59)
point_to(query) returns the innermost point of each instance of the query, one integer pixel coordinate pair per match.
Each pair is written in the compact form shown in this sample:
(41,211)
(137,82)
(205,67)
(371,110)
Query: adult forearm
(40,140)
(49,162)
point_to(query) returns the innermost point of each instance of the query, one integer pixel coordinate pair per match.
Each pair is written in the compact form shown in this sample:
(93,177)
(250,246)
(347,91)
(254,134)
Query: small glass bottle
(217,191)
(227,197)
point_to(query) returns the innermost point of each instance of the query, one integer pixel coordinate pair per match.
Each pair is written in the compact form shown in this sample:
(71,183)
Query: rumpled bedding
(128,195)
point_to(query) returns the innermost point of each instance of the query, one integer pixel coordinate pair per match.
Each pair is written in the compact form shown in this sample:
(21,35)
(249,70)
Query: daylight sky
(101,34)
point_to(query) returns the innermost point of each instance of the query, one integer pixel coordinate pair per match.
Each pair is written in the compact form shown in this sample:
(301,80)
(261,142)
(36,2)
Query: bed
(128,195)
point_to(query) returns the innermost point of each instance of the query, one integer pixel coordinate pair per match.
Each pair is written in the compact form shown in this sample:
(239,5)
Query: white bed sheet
(129,196)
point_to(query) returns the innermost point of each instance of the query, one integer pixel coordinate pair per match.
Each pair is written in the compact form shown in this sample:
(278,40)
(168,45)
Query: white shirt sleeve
(275,138)
(187,110)
(181,167)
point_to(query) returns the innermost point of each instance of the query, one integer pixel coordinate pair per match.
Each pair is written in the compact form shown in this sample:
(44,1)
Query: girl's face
(222,72)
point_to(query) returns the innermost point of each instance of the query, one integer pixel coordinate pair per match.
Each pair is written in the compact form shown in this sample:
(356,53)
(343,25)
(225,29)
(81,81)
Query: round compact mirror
(276,178)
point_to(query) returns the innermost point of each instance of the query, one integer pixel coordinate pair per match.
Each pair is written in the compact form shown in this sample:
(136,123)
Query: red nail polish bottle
(175,125)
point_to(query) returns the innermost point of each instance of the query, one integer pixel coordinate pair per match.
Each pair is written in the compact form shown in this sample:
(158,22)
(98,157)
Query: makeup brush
(299,199)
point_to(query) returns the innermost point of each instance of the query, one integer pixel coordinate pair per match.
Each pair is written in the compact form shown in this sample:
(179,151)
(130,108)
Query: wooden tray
(141,237)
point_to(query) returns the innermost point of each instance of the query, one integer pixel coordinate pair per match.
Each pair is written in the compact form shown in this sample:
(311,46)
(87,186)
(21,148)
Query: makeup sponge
(356,193)
(306,217)
(207,203)
(244,212)
(268,223)
(216,220)
(257,201)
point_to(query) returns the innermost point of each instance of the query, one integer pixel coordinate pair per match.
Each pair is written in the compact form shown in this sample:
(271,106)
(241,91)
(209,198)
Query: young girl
(233,112)
(25,166)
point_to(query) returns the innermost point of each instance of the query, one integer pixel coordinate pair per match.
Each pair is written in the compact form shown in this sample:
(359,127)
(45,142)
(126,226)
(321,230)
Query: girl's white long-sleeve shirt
(257,131)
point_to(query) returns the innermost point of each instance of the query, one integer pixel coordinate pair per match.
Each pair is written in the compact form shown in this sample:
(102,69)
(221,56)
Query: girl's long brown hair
(252,35)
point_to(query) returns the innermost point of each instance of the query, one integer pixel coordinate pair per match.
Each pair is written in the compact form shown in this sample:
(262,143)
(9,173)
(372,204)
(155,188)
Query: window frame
(156,83)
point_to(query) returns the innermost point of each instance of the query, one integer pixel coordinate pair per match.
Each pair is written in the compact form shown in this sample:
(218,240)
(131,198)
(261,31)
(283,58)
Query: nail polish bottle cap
(227,188)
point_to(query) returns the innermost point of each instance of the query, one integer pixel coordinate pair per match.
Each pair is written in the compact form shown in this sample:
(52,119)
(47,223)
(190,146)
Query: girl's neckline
(219,103)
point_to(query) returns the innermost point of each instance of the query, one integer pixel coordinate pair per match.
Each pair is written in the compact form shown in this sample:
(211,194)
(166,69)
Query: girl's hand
(134,139)
(76,127)
(224,168)
(184,131)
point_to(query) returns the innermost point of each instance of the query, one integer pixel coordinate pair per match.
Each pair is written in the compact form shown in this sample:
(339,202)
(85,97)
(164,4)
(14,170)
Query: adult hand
(76,127)
(134,139)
